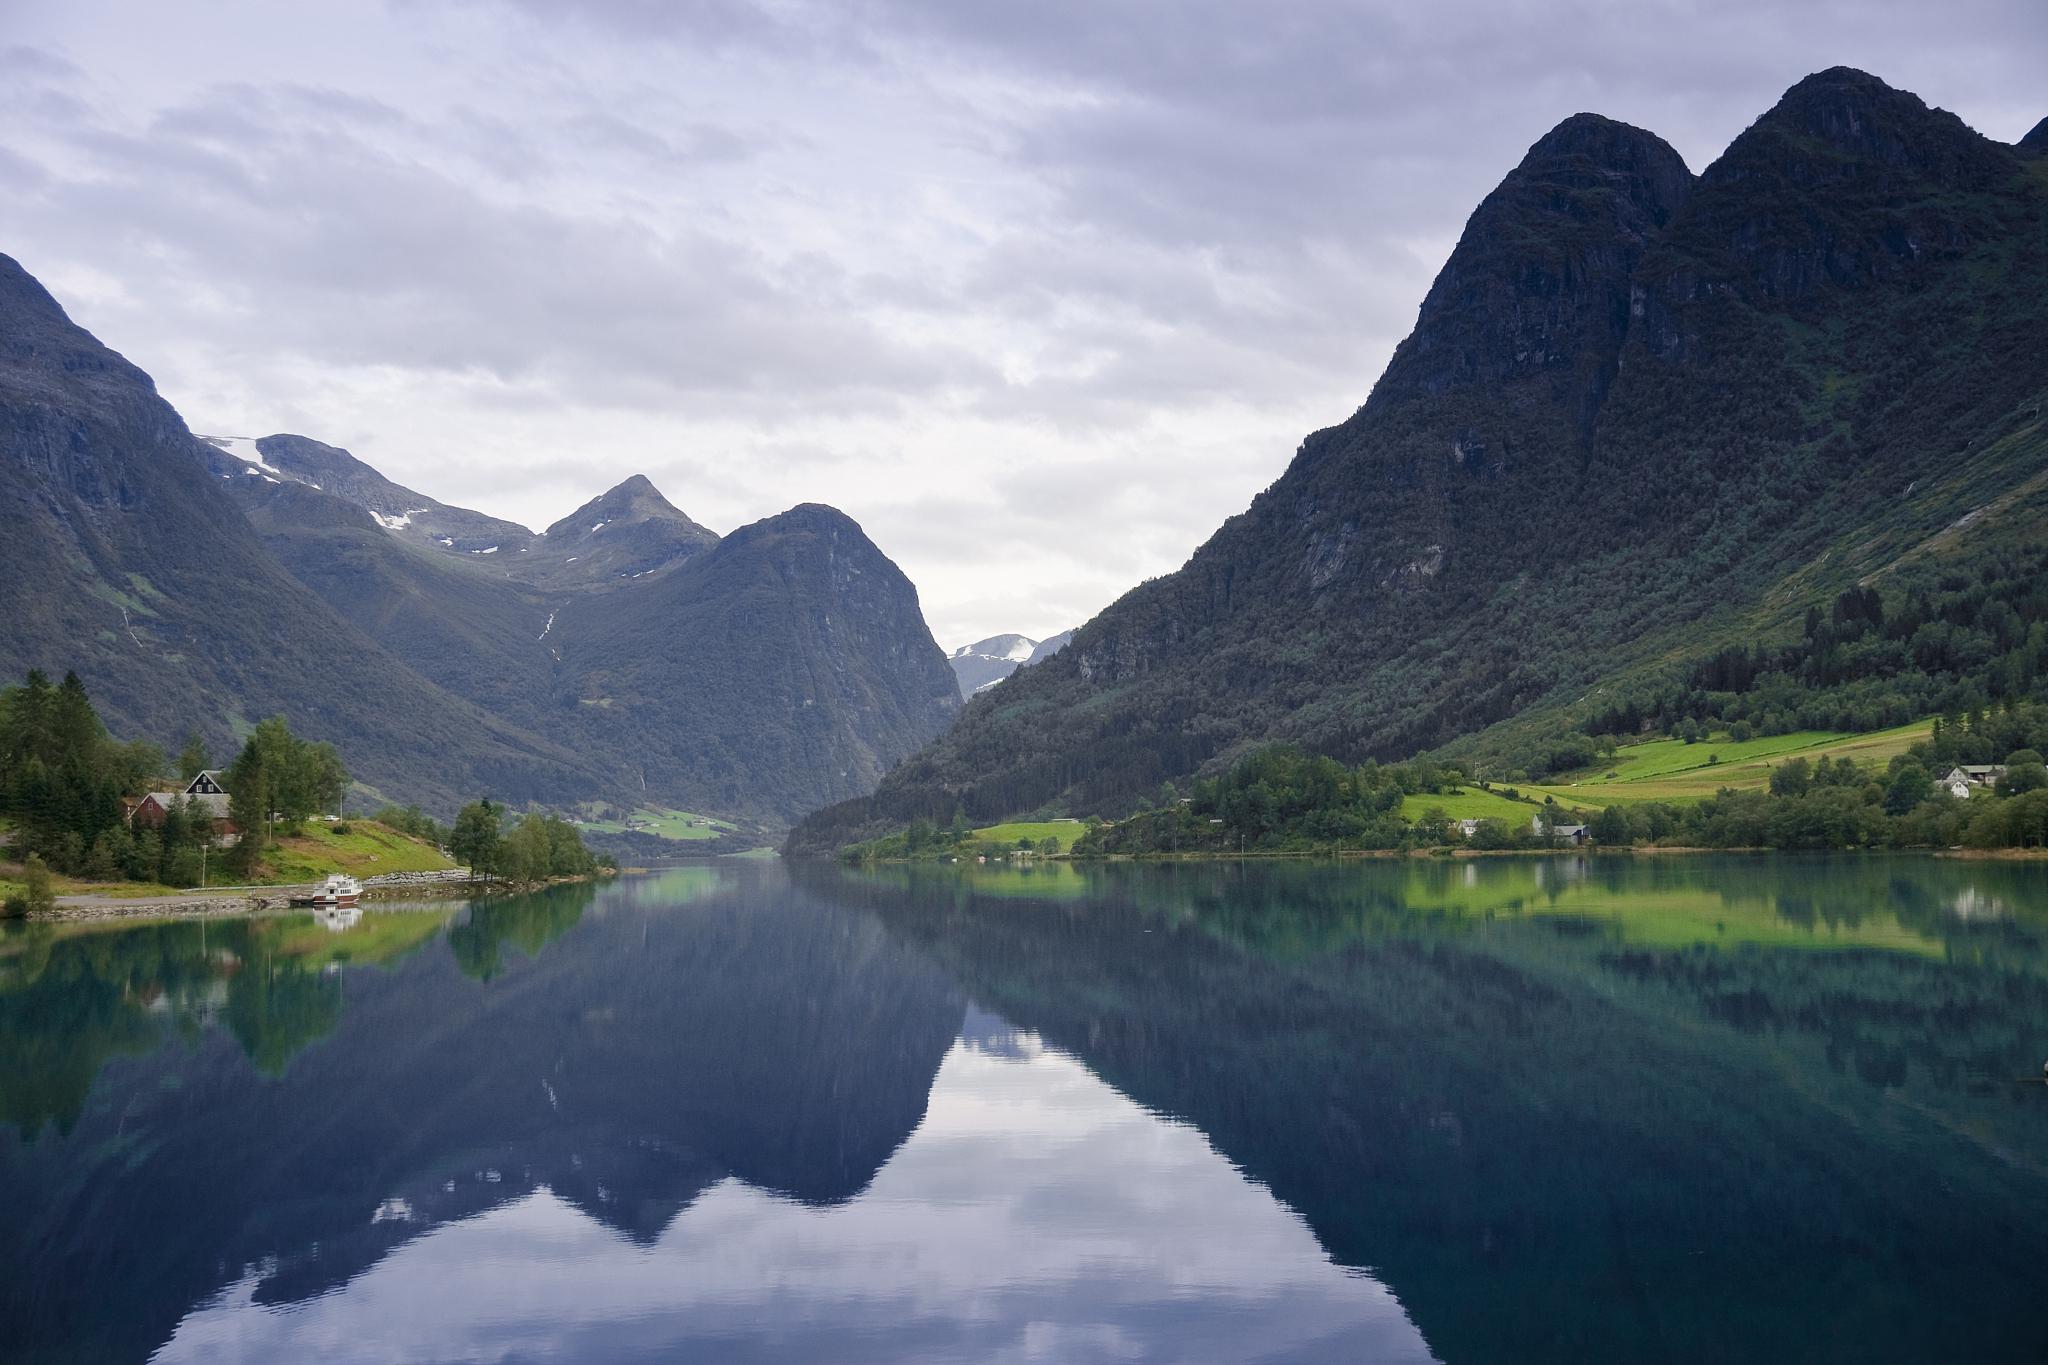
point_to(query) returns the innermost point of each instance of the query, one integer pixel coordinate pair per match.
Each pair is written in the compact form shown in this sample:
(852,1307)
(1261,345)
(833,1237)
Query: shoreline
(266,900)
(1452,854)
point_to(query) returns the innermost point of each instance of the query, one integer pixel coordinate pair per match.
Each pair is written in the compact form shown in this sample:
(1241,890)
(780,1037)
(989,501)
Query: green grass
(1472,804)
(1672,770)
(1007,835)
(367,850)
(665,824)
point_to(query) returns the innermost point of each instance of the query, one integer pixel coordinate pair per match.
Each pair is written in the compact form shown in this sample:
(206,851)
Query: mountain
(1642,415)
(987,662)
(124,560)
(1048,647)
(628,532)
(790,659)
(626,654)
(755,676)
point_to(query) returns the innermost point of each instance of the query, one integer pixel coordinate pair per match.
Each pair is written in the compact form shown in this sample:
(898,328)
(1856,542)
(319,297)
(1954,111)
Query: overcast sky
(1039,292)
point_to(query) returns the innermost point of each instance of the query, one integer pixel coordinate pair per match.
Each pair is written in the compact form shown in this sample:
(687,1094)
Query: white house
(1965,778)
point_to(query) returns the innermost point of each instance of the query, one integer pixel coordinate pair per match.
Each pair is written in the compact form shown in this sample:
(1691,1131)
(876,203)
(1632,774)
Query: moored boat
(337,892)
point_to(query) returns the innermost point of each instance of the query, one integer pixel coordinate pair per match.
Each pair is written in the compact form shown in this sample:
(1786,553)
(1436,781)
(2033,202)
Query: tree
(249,809)
(1910,785)
(2021,778)
(193,759)
(39,895)
(1791,778)
(1435,826)
(524,855)
(478,835)
(1611,827)
(300,778)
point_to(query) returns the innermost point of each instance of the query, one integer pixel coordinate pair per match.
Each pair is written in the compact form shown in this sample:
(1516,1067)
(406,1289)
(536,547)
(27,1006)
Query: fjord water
(1574,1109)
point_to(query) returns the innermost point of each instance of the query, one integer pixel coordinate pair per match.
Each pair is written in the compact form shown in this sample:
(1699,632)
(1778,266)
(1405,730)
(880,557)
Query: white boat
(337,892)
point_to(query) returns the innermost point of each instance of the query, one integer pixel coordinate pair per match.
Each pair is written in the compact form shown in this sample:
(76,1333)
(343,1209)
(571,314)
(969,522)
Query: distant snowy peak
(1013,647)
(985,663)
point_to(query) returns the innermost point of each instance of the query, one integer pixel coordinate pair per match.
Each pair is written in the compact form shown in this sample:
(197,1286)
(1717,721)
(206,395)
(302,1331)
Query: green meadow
(1007,835)
(1672,770)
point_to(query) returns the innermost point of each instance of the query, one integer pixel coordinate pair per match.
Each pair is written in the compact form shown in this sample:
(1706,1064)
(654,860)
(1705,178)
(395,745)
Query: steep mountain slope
(284,458)
(625,653)
(987,662)
(757,677)
(464,627)
(789,660)
(1638,411)
(123,559)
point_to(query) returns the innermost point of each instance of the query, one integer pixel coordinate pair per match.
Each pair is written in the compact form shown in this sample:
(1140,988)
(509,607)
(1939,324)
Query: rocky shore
(255,900)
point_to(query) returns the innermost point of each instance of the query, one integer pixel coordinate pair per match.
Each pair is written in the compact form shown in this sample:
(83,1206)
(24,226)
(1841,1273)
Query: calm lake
(1577,1109)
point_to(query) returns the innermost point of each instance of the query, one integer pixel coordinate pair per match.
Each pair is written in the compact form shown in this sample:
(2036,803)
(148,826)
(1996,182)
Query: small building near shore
(1965,778)
(204,797)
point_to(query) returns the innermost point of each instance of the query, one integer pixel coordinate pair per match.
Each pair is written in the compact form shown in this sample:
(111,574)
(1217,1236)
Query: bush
(39,896)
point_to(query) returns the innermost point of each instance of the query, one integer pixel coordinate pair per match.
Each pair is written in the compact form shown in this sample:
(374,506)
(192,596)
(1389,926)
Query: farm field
(1066,831)
(1474,804)
(663,823)
(1672,770)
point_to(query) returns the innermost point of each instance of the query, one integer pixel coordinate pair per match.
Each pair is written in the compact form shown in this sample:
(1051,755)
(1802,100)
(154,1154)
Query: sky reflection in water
(1713,1109)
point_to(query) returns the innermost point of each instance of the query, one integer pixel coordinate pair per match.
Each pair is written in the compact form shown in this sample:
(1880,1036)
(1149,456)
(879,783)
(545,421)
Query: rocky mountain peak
(1592,152)
(1845,125)
(2035,143)
(635,499)
(1538,286)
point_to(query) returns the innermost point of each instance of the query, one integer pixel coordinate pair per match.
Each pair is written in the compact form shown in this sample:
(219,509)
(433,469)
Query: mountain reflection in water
(1579,1109)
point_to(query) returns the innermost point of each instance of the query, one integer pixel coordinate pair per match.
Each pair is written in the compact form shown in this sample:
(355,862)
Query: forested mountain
(625,654)
(1643,415)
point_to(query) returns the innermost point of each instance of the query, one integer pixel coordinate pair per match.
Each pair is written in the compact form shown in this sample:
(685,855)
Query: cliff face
(1634,404)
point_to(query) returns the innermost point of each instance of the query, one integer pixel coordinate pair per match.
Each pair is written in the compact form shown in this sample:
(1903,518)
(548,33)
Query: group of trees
(62,780)
(1949,639)
(1279,798)
(924,841)
(275,784)
(66,781)
(534,848)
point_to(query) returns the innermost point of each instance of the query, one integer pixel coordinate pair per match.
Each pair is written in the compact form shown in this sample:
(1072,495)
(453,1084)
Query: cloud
(1076,276)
